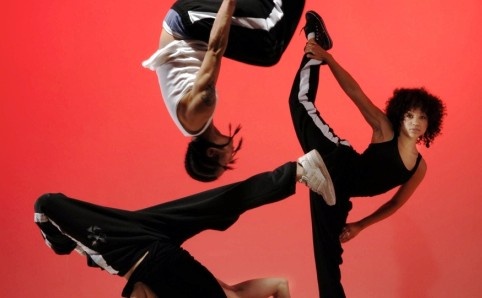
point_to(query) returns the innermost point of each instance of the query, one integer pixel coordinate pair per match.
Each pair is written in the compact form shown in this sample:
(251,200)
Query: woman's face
(414,124)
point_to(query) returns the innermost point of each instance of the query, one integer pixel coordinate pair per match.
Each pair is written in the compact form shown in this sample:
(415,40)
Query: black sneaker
(315,24)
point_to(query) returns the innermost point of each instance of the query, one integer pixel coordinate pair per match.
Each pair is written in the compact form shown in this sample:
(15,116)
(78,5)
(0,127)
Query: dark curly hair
(202,167)
(405,99)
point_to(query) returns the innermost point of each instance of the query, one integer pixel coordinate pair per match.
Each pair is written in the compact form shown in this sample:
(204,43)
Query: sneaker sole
(329,196)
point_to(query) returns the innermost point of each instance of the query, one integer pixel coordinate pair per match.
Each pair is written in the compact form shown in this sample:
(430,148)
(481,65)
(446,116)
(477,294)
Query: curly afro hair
(405,99)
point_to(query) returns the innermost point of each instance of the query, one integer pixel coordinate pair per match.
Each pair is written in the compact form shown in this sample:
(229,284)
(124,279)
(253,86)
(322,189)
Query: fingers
(345,235)
(310,47)
(314,51)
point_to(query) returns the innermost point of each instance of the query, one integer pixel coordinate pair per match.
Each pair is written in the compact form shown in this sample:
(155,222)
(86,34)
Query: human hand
(315,51)
(349,232)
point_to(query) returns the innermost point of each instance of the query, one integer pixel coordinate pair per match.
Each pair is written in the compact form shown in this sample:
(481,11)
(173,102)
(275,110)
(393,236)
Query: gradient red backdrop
(80,115)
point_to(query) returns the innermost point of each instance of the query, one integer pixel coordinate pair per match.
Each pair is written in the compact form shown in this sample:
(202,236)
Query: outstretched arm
(382,130)
(401,196)
(198,106)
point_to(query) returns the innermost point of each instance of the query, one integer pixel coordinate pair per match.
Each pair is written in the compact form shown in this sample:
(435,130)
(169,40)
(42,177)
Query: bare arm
(198,106)
(141,290)
(398,200)
(258,288)
(382,130)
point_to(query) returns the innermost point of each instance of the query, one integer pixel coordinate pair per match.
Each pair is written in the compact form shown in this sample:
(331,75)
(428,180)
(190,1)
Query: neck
(407,143)
(213,135)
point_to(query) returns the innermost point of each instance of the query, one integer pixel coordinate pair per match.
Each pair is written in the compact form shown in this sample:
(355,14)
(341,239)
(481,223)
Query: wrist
(362,224)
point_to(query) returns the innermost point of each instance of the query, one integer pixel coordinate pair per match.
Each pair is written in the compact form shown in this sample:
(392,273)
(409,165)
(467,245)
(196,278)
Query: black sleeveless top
(377,170)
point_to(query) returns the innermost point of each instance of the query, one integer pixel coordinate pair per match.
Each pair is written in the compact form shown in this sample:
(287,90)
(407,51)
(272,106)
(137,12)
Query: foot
(316,176)
(315,25)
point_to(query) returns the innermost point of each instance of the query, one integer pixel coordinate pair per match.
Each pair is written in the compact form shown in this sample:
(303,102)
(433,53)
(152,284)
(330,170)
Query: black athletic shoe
(315,24)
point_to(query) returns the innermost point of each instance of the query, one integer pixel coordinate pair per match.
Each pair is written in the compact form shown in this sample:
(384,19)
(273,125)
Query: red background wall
(80,115)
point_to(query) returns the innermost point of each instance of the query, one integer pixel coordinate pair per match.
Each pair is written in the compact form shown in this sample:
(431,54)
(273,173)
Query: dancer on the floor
(144,246)
(193,41)
(392,159)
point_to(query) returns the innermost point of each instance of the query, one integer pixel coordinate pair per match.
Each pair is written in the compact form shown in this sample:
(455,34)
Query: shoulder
(421,170)
(422,166)
(383,132)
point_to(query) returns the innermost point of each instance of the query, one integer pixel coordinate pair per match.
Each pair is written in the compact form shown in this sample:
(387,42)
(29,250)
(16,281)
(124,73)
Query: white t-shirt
(176,66)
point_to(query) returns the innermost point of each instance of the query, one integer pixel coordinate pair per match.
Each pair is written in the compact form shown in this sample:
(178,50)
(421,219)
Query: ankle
(299,171)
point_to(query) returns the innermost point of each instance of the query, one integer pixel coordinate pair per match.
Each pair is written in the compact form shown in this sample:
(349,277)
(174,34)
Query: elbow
(282,287)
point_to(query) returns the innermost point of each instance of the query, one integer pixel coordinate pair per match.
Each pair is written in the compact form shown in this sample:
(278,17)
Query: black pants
(260,32)
(115,239)
(314,133)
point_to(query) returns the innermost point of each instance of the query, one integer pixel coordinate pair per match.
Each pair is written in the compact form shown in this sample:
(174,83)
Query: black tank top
(378,169)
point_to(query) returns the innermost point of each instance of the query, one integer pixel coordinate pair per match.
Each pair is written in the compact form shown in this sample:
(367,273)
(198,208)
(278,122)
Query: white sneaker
(317,177)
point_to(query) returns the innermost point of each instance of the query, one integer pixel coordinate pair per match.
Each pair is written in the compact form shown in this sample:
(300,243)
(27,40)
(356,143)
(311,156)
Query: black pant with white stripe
(260,32)
(314,133)
(115,239)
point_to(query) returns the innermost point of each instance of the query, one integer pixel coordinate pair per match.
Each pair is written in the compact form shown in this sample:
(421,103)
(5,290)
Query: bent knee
(272,57)
(45,200)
